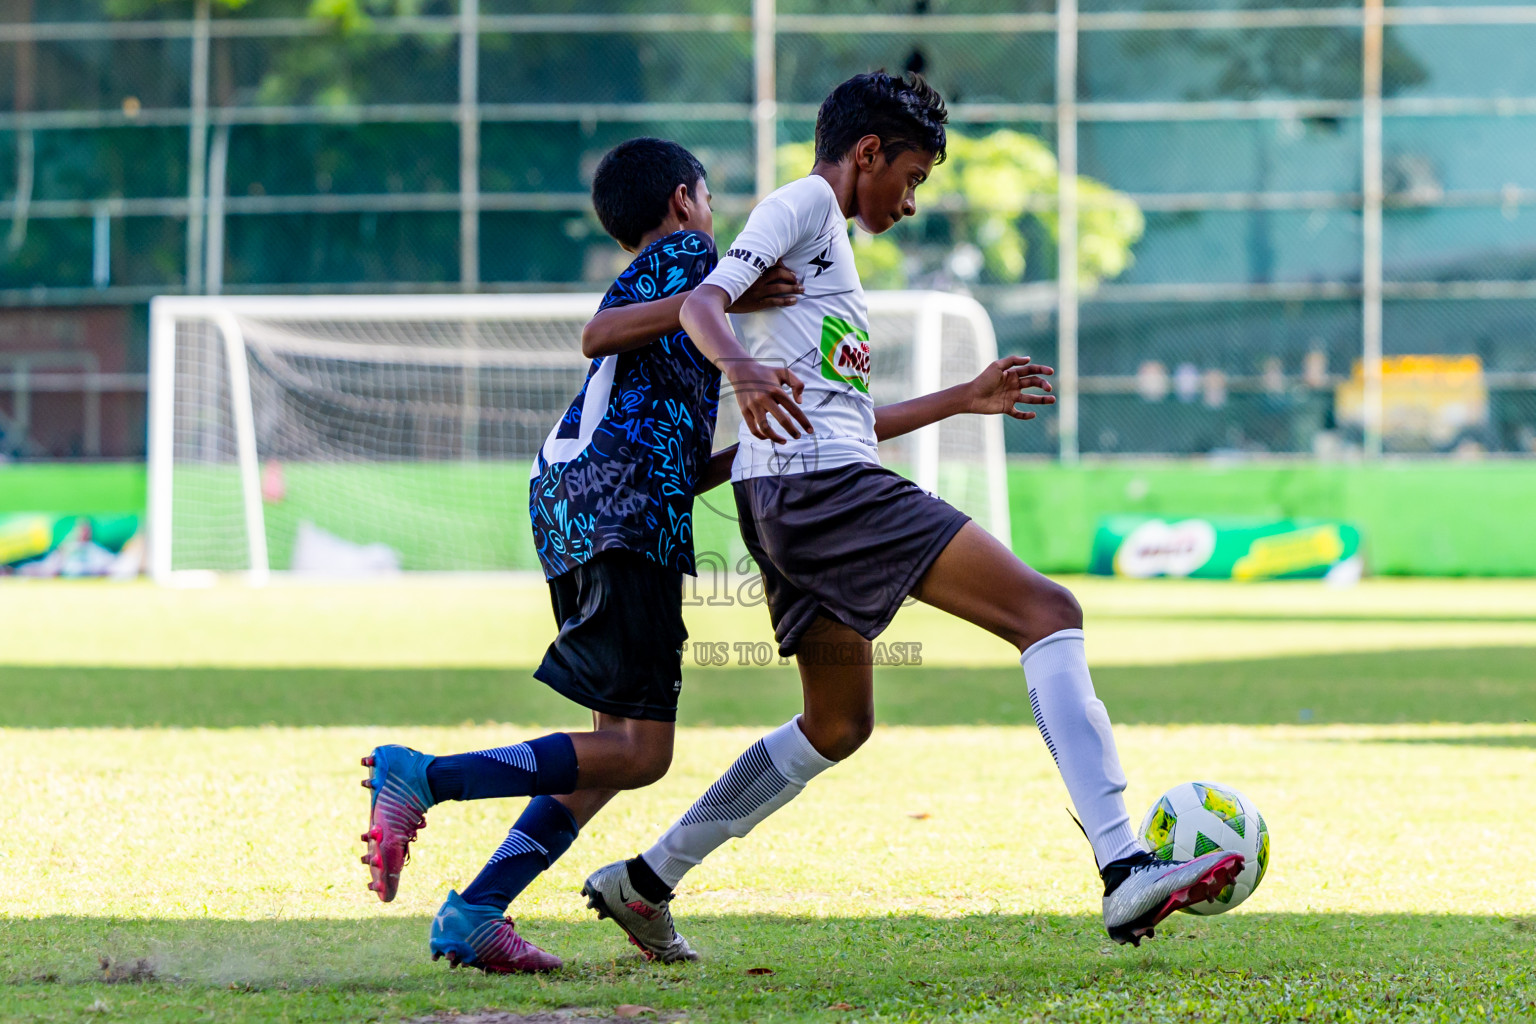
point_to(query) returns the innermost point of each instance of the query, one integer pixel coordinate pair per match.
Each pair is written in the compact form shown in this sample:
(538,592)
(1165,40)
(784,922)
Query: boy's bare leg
(837,679)
(979,580)
(620,753)
(615,744)
(468,928)
(550,823)
(839,713)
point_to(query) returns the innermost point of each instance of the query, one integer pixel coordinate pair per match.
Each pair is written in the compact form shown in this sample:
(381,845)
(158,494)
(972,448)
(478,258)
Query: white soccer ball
(1195,818)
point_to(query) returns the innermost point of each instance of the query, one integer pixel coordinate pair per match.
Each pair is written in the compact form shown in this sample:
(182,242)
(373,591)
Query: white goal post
(405,424)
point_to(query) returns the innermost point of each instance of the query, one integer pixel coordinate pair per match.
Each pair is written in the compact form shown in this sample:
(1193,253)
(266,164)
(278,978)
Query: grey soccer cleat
(1140,891)
(649,926)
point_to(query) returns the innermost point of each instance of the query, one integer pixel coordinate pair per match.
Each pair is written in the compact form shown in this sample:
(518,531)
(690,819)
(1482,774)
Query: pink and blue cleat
(396,812)
(470,935)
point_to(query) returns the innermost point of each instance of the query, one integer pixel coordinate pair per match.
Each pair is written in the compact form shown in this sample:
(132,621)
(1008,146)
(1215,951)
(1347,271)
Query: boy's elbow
(697,306)
(592,341)
(688,312)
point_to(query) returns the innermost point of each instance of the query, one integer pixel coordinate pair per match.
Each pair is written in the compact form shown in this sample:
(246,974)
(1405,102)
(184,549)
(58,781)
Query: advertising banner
(1237,549)
(42,544)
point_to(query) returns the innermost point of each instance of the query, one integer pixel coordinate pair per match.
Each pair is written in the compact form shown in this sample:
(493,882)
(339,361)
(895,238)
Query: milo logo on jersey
(845,353)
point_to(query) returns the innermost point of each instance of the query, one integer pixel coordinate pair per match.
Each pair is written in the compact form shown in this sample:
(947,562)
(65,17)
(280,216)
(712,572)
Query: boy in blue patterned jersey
(611,498)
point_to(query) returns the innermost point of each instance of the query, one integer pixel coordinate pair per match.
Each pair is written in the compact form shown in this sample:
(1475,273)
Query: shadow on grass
(1461,686)
(1472,740)
(987,966)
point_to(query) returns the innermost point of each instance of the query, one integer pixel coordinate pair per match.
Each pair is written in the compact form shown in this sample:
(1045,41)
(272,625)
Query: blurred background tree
(987,192)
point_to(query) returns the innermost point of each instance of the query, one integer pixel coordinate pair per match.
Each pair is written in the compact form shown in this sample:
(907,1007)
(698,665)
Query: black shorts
(847,543)
(620,648)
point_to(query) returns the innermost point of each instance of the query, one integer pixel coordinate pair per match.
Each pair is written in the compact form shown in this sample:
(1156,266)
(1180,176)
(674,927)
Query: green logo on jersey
(845,353)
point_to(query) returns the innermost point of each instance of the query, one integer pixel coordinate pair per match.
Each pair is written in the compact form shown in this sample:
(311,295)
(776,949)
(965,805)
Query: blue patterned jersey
(619,469)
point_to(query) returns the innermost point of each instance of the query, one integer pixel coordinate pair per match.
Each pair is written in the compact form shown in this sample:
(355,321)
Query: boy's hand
(760,393)
(777,287)
(1001,388)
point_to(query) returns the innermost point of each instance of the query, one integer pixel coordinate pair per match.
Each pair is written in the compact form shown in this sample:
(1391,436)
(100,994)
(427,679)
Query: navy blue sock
(543,832)
(539,767)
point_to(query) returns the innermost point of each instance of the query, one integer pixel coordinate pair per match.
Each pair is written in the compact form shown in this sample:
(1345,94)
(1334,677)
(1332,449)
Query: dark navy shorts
(849,544)
(620,648)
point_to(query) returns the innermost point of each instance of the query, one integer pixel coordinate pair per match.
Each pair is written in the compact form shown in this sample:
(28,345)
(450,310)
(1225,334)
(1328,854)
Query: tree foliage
(988,188)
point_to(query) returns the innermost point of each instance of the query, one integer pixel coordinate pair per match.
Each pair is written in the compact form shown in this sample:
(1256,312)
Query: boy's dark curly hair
(635,181)
(906,113)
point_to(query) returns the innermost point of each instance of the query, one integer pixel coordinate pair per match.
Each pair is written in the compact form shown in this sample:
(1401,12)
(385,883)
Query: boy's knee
(858,730)
(1060,610)
(838,739)
(1047,608)
(646,765)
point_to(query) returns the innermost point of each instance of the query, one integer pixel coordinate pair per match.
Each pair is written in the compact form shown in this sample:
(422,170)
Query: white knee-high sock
(769,775)
(1076,729)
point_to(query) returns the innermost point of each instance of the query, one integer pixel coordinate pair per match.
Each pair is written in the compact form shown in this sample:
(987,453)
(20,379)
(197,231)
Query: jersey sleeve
(775,228)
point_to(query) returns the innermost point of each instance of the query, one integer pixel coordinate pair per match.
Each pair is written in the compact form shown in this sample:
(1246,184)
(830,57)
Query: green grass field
(180,771)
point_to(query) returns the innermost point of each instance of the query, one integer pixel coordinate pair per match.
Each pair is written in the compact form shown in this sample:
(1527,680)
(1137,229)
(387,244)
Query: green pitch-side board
(1416,518)
(73,488)
(1435,518)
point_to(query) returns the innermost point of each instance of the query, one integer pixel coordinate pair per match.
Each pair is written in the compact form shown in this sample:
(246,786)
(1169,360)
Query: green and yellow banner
(43,544)
(1236,549)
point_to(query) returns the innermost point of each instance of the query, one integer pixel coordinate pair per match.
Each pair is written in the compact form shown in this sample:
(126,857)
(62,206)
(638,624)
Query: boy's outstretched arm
(621,328)
(1000,388)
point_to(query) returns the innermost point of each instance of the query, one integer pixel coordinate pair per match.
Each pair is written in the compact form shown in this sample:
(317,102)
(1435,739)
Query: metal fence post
(1066,242)
(469,217)
(197,148)
(765,108)
(469,145)
(213,242)
(1370,271)
(101,244)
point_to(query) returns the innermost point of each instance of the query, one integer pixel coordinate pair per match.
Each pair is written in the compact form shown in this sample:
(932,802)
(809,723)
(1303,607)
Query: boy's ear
(866,152)
(682,204)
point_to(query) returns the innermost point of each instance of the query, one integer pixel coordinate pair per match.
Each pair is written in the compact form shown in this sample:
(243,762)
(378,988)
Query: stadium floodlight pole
(1370,319)
(1066,233)
(197,144)
(765,113)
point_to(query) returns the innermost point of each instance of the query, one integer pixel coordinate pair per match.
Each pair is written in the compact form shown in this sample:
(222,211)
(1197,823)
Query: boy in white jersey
(842,541)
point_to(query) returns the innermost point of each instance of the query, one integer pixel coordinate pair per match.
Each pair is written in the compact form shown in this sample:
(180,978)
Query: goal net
(348,434)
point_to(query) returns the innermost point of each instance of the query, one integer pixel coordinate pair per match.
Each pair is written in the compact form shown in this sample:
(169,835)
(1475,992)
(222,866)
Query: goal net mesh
(410,426)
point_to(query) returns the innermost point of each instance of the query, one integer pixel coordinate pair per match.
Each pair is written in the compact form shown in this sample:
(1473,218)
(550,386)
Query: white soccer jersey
(823,339)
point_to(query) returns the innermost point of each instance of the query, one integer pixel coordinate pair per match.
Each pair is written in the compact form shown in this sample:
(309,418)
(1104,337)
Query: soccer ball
(1195,818)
